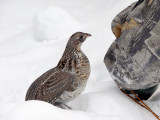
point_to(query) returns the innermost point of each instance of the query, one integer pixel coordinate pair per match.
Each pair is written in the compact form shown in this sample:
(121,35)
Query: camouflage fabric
(133,59)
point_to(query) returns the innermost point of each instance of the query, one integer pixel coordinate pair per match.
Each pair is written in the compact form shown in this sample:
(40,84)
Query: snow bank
(108,105)
(55,23)
(23,59)
(39,110)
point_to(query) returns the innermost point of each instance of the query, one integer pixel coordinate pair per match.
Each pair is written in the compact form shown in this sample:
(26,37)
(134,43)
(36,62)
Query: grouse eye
(81,37)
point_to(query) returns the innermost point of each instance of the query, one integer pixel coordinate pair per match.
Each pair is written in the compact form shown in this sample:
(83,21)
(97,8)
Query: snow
(54,23)
(33,36)
(24,112)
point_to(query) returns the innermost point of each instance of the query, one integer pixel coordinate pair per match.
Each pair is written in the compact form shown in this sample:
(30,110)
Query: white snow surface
(54,23)
(33,36)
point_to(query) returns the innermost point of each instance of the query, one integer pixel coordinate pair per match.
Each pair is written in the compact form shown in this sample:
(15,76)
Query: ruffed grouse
(68,79)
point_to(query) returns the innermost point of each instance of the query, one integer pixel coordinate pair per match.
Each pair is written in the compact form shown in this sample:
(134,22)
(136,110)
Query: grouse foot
(62,105)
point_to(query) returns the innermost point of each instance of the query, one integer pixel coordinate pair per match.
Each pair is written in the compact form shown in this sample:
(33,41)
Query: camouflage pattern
(133,59)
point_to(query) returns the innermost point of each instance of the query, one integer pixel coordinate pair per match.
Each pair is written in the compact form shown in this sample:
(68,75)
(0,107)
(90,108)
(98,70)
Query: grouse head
(77,39)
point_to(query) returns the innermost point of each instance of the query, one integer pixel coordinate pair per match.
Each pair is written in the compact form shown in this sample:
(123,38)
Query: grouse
(67,80)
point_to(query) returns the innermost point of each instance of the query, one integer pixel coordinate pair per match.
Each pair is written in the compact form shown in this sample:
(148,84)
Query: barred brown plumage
(68,79)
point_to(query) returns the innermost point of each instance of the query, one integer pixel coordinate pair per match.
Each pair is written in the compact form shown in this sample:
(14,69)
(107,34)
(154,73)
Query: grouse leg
(62,105)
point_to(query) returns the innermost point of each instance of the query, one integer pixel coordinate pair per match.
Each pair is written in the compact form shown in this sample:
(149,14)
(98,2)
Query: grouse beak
(86,35)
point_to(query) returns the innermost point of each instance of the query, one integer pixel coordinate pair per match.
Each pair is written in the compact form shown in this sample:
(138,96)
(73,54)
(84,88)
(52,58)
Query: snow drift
(23,58)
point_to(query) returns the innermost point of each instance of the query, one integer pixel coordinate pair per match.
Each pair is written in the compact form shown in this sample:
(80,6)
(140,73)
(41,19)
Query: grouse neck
(72,48)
